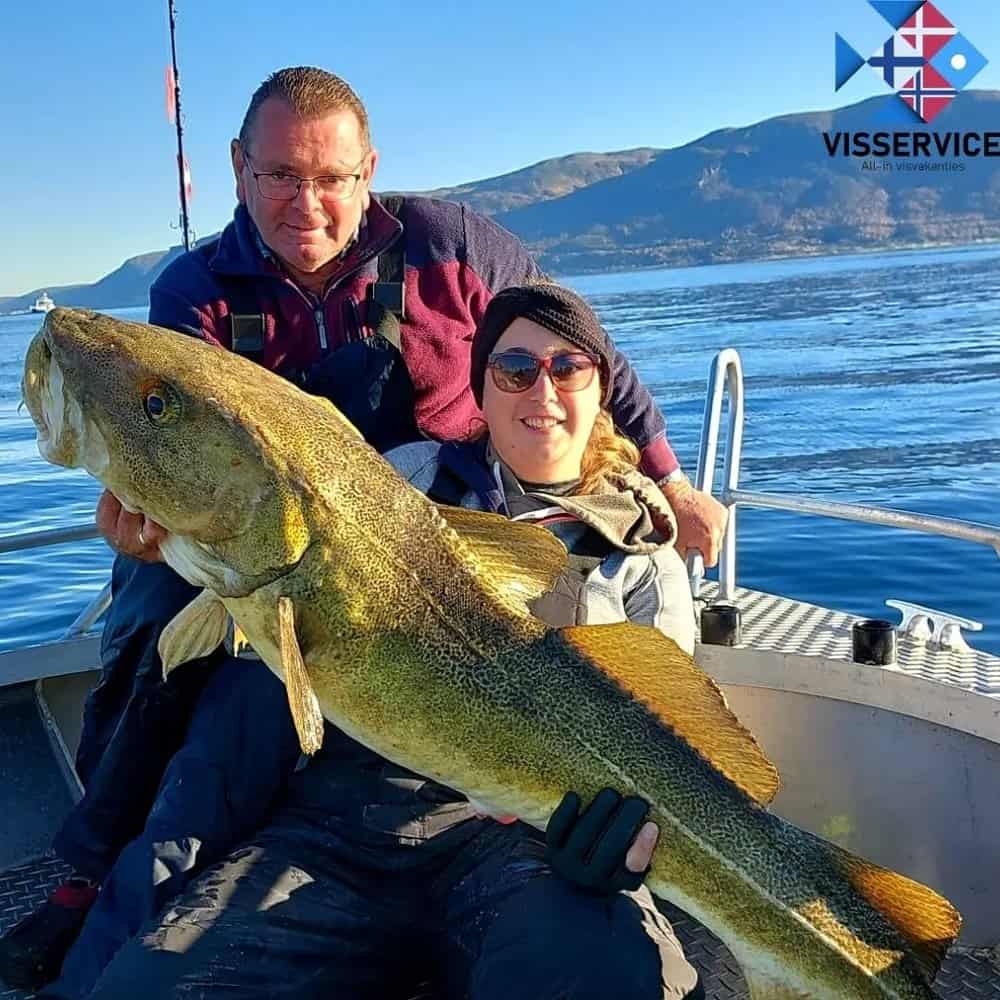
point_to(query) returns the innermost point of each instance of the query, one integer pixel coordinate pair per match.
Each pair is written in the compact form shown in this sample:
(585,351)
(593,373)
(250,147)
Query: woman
(541,372)
(549,453)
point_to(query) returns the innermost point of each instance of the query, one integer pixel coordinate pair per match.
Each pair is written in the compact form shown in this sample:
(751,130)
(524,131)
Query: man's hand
(701,520)
(131,534)
(606,849)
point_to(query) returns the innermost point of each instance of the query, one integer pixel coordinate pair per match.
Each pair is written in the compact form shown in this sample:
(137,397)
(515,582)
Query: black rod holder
(874,642)
(721,625)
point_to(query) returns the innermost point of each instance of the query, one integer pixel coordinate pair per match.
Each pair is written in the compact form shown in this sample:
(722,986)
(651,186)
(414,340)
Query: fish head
(174,434)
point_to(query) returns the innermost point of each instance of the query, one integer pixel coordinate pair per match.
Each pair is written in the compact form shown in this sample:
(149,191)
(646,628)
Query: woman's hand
(607,848)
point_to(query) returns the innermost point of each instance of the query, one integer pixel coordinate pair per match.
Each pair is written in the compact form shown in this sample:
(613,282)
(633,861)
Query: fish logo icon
(926,60)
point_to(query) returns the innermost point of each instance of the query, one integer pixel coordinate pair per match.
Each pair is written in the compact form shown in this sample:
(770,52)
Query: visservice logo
(927,61)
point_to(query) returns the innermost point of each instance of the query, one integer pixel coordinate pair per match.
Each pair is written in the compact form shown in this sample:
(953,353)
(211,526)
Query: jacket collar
(619,511)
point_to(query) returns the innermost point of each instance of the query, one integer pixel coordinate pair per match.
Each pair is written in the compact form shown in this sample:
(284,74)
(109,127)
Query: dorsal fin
(655,671)
(926,921)
(523,561)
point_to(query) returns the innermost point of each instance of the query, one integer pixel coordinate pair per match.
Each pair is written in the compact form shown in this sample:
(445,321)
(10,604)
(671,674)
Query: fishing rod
(182,180)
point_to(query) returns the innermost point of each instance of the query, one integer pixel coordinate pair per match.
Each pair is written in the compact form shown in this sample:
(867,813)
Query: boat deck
(783,625)
(770,623)
(964,975)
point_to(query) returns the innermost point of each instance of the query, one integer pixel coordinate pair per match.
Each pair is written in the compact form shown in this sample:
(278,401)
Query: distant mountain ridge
(545,180)
(769,189)
(129,284)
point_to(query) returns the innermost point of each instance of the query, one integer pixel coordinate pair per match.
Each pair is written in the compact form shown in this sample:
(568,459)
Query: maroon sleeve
(172,299)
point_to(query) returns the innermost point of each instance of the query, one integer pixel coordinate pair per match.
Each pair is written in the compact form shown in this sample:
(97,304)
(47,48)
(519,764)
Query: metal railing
(86,619)
(727,373)
(55,536)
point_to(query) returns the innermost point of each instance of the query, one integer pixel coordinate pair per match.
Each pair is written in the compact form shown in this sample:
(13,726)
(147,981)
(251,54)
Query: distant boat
(43,303)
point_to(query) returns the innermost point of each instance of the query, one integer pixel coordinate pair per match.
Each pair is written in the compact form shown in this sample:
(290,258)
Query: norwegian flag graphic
(928,30)
(928,93)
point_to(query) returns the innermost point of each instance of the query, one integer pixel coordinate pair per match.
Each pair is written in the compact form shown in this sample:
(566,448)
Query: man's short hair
(311,93)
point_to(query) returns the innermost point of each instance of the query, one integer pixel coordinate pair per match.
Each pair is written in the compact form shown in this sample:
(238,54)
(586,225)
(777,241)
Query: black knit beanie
(557,309)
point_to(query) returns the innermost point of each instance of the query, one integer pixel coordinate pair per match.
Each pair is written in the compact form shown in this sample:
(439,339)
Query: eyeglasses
(517,371)
(279,185)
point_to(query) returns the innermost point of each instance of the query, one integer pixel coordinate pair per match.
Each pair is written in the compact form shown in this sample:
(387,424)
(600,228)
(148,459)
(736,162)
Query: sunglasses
(517,371)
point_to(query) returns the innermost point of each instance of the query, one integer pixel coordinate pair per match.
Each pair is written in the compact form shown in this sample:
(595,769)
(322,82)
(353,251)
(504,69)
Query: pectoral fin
(302,698)
(655,671)
(523,561)
(195,631)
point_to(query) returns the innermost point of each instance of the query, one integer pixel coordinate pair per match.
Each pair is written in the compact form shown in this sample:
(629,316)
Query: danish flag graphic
(928,30)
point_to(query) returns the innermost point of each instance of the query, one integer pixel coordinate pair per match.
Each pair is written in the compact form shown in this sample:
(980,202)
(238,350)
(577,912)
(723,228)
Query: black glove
(590,850)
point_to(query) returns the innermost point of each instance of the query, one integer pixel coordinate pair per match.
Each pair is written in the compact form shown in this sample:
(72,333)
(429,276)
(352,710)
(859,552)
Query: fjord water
(870,378)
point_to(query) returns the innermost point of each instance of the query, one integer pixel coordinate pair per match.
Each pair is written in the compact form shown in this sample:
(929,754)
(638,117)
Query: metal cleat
(939,629)
(918,628)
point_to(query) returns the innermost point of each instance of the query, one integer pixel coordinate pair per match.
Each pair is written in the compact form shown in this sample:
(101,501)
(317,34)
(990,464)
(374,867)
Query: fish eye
(162,405)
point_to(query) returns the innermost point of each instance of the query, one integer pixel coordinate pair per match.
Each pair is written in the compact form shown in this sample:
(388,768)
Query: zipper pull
(321,327)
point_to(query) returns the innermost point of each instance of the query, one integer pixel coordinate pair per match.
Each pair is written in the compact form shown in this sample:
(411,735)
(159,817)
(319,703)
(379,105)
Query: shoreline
(817,254)
(820,254)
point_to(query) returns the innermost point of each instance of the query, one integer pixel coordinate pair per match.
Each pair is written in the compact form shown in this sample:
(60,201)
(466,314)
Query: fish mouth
(36,391)
(64,434)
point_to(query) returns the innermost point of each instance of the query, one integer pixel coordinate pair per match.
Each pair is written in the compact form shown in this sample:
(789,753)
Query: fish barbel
(408,626)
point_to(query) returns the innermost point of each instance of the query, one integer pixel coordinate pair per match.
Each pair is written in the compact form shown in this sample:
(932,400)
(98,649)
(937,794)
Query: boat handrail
(52,536)
(727,374)
(96,607)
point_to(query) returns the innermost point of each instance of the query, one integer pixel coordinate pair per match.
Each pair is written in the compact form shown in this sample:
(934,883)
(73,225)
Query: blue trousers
(239,750)
(309,909)
(133,722)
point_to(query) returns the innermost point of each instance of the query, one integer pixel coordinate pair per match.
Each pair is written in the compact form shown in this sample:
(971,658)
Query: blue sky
(454,93)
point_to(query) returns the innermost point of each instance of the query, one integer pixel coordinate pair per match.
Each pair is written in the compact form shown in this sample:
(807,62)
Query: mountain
(771,189)
(765,190)
(128,285)
(545,180)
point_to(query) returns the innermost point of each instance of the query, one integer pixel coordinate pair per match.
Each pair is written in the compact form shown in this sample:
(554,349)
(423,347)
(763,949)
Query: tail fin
(925,920)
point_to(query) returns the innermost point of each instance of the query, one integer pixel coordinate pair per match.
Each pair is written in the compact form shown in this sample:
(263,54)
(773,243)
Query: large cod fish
(408,626)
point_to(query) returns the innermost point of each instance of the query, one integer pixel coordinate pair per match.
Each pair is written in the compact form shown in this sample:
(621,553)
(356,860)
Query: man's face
(309,230)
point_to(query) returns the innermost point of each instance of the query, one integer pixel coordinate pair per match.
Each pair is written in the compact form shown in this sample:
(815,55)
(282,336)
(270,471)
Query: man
(315,278)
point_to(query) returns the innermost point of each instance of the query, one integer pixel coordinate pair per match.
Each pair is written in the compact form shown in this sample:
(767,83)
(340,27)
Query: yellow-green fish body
(410,624)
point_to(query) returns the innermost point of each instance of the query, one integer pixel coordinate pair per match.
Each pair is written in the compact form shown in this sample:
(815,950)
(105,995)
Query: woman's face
(541,433)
